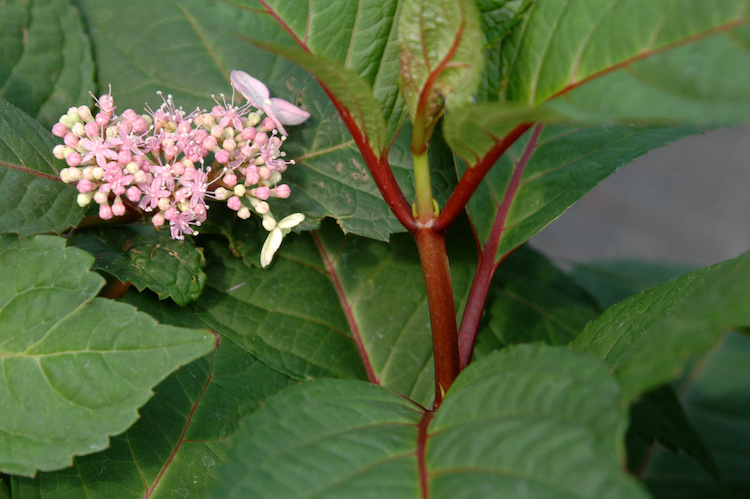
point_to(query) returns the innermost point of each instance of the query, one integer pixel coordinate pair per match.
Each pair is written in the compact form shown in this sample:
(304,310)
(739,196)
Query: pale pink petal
(251,88)
(287,113)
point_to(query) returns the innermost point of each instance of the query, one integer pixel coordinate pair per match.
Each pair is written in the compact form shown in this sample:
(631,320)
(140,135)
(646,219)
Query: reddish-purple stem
(474,176)
(346,306)
(31,172)
(437,278)
(487,264)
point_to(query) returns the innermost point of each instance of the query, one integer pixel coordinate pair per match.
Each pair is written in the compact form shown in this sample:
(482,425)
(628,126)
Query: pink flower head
(279,110)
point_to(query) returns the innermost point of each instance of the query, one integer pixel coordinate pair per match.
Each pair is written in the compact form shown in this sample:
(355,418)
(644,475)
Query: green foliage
(75,367)
(495,431)
(31,203)
(542,101)
(147,258)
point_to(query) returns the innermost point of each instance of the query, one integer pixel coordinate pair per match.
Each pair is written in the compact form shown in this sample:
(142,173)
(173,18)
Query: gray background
(688,202)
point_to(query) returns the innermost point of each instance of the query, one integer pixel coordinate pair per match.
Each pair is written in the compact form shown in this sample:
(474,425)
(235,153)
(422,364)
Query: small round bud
(244,213)
(100,197)
(118,207)
(269,223)
(59,151)
(229,145)
(59,130)
(73,159)
(282,191)
(79,129)
(222,193)
(85,113)
(97,173)
(158,219)
(84,198)
(74,174)
(234,203)
(133,194)
(230,179)
(105,211)
(253,119)
(164,204)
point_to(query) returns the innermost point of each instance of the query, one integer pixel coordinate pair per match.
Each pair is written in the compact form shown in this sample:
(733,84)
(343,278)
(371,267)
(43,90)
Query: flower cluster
(157,161)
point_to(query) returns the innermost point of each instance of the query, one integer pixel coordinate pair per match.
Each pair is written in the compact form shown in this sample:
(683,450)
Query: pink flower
(279,110)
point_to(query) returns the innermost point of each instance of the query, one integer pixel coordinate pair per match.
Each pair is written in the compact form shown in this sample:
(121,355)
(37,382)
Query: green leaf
(659,417)
(717,401)
(287,316)
(649,337)
(544,421)
(47,64)
(359,36)
(531,300)
(32,198)
(182,434)
(148,259)
(498,18)
(441,44)
(634,60)
(381,288)
(555,167)
(76,369)
(530,420)
(610,282)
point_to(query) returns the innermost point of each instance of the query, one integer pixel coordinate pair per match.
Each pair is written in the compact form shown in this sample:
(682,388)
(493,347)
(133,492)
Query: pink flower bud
(106,103)
(118,207)
(102,119)
(85,185)
(262,192)
(230,179)
(268,124)
(282,191)
(71,140)
(158,219)
(133,194)
(234,203)
(105,212)
(222,156)
(248,133)
(251,175)
(171,213)
(73,159)
(209,143)
(91,129)
(59,130)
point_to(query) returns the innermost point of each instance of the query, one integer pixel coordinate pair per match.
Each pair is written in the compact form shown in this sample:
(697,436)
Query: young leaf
(183,431)
(544,421)
(717,401)
(148,259)
(76,370)
(649,337)
(441,46)
(47,63)
(32,198)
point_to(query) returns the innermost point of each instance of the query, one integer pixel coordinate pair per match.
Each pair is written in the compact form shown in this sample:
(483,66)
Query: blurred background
(686,203)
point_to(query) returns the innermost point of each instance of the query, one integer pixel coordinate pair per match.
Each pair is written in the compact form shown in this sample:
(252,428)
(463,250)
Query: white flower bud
(269,223)
(239,190)
(74,174)
(164,204)
(222,194)
(100,197)
(79,130)
(97,173)
(253,119)
(59,151)
(244,213)
(132,167)
(84,198)
(85,113)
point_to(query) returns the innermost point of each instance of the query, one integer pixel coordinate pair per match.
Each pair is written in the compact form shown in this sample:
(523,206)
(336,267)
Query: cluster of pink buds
(157,161)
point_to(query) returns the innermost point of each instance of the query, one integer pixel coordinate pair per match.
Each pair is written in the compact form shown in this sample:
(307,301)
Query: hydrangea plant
(158,340)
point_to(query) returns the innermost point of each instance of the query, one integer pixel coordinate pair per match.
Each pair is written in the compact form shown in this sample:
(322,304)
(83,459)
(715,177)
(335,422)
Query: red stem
(347,308)
(437,278)
(474,176)
(487,264)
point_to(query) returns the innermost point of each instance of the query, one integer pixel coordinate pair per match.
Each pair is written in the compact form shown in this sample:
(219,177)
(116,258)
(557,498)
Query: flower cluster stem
(423,187)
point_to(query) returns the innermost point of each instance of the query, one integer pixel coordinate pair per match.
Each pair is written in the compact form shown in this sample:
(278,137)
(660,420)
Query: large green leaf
(32,199)
(289,316)
(147,258)
(182,434)
(553,168)
(648,338)
(634,59)
(716,394)
(75,367)
(544,422)
(46,66)
(531,300)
